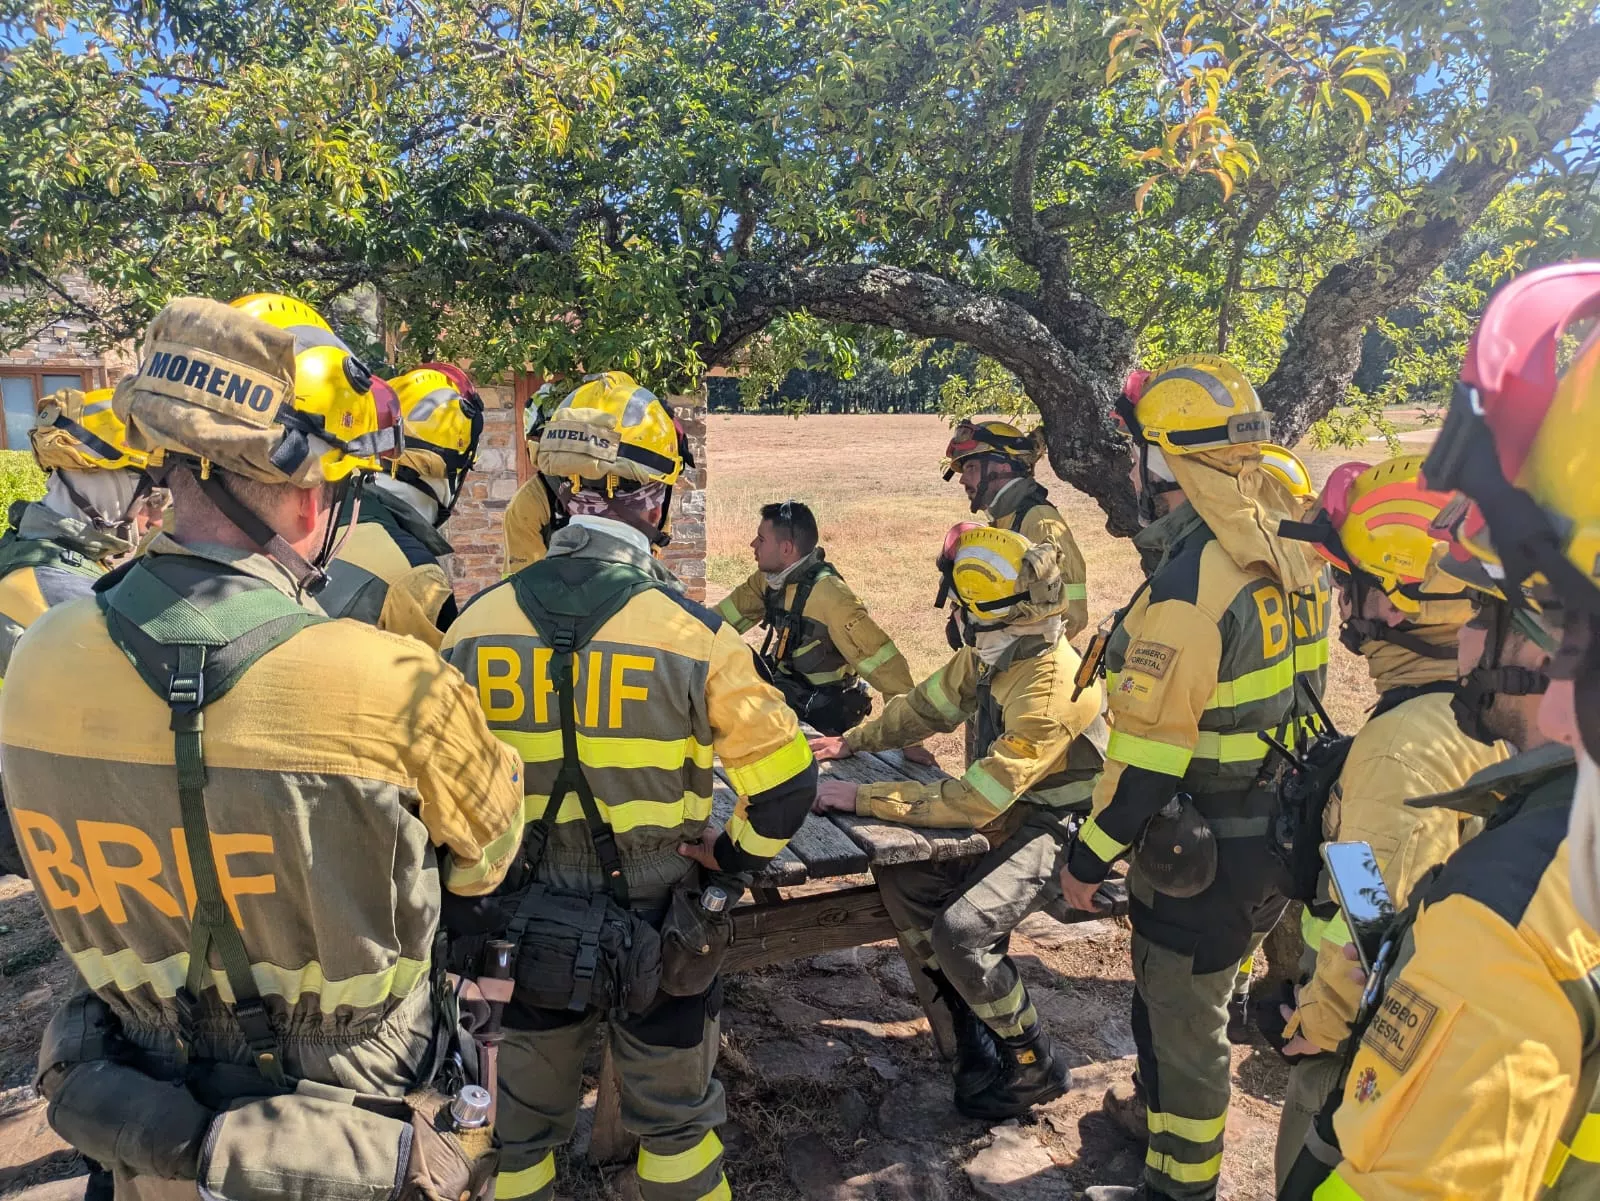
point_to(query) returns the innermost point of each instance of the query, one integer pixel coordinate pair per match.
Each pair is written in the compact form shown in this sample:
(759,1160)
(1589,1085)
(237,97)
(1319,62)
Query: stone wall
(475,528)
(686,553)
(66,344)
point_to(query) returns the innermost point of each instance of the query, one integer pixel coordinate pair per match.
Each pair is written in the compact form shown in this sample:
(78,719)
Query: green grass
(20,479)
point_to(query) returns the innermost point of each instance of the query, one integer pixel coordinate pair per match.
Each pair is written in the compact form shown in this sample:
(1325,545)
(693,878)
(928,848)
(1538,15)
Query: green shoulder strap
(191,654)
(568,600)
(17,554)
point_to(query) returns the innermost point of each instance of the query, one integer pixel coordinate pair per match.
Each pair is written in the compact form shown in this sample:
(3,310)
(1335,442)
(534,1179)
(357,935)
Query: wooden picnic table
(772,928)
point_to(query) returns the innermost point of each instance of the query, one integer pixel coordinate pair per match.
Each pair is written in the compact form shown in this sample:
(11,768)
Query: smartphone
(1362,895)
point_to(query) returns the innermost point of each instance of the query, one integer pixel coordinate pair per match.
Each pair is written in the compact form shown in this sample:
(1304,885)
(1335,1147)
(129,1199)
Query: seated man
(820,638)
(1035,768)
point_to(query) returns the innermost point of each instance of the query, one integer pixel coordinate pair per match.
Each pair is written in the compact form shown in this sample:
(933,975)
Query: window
(22,390)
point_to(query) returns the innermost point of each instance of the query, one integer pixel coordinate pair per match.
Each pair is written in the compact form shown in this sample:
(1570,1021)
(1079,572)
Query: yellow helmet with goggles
(998,576)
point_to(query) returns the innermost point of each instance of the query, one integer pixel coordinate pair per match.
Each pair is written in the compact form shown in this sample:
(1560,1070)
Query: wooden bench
(772,928)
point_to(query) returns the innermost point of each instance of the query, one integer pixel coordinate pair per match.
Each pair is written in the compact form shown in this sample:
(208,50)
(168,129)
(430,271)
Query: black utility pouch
(694,944)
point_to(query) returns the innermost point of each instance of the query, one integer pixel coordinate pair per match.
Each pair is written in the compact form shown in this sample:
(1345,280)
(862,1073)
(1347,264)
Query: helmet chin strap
(1476,691)
(1354,632)
(309,576)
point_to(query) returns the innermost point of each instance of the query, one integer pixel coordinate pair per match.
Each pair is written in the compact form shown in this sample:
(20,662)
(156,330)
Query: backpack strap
(788,625)
(18,554)
(191,655)
(568,600)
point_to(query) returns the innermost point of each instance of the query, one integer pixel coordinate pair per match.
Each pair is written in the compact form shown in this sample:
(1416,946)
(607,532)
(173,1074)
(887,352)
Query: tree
(1062,188)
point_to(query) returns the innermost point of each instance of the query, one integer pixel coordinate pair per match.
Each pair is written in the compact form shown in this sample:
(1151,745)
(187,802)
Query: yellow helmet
(1195,403)
(443,418)
(1286,467)
(1000,439)
(80,431)
(1378,521)
(280,400)
(998,575)
(613,432)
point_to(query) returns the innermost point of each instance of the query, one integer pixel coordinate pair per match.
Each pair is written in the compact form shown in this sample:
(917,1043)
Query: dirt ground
(835,1090)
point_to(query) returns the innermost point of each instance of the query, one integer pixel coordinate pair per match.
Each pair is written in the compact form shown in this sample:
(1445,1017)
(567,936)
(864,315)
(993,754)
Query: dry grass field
(874,482)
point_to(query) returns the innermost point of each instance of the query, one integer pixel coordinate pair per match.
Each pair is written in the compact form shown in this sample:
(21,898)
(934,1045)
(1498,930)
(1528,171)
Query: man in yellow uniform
(661,684)
(56,548)
(821,641)
(387,571)
(1405,617)
(996,461)
(1474,1071)
(1035,771)
(1200,664)
(533,515)
(232,808)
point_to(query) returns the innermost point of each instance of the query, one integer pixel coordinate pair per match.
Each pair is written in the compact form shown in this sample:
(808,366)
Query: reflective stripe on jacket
(1038,752)
(1477,1077)
(662,687)
(335,765)
(1202,664)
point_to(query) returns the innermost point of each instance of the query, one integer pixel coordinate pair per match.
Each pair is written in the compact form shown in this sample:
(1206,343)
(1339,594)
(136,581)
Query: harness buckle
(186,691)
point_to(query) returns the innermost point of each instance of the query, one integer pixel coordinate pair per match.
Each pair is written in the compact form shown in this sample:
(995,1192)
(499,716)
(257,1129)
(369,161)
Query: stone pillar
(475,528)
(686,554)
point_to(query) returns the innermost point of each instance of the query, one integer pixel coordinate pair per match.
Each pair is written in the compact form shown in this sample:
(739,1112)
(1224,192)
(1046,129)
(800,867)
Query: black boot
(1239,1019)
(1033,1074)
(977,1057)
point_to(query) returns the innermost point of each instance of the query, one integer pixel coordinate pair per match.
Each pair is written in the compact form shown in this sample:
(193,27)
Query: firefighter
(1312,611)
(533,514)
(387,571)
(232,808)
(664,684)
(1034,773)
(56,548)
(821,641)
(1474,1071)
(995,461)
(1200,662)
(1404,617)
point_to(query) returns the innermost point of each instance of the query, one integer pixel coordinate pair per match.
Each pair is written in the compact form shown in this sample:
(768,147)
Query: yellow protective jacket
(45,559)
(838,639)
(1024,506)
(336,766)
(529,522)
(1031,737)
(1413,748)
(663,686)
(1202,662)
(1477,1075)
(388,575)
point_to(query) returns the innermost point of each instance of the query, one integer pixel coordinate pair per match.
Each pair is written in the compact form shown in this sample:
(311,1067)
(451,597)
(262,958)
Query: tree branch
(1073,396)
(1042,250)
(1324,347)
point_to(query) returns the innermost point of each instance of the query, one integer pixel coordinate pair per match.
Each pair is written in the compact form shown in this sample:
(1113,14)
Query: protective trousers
(384,1061)
(1311,1083)
(669,1097)
(1186,958)
(957,916)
